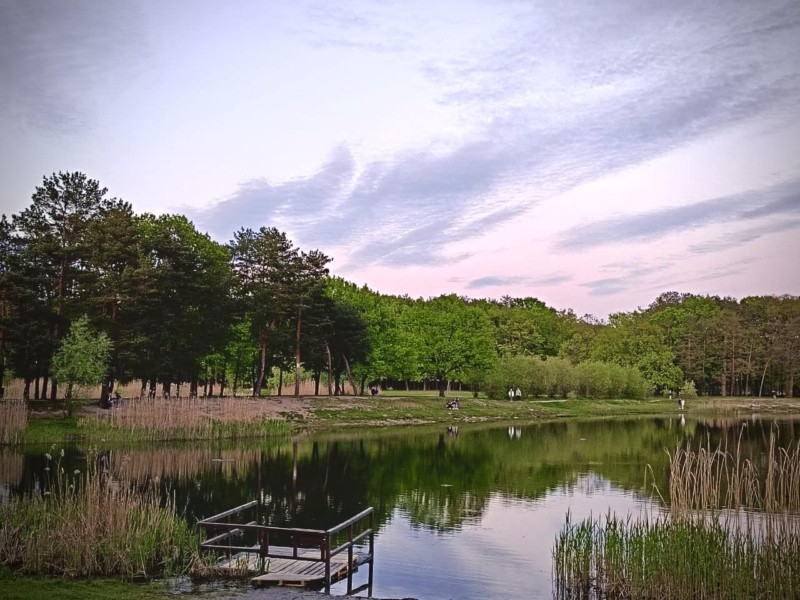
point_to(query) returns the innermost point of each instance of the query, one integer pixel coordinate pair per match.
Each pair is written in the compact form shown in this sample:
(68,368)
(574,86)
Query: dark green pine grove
(197,316)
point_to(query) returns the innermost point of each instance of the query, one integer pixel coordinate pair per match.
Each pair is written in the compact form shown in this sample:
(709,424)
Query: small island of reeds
(732,531)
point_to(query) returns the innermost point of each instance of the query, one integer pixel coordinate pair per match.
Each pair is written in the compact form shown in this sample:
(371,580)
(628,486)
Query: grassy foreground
(20,587)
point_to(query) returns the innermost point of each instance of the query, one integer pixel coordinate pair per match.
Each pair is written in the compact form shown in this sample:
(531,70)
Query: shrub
(688,390)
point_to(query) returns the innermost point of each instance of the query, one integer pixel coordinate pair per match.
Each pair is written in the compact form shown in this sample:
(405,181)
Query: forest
(258,314)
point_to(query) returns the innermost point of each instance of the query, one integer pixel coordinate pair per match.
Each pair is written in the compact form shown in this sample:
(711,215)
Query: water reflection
(470,511)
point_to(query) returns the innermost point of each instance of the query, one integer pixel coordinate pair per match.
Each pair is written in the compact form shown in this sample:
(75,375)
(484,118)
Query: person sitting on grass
(452,404)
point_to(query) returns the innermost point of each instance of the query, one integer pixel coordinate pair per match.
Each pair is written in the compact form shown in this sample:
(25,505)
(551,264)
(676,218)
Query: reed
(13,420)
(183,463)
(146,419)
(708,479)
(668,558)
(92,524)
(732,531)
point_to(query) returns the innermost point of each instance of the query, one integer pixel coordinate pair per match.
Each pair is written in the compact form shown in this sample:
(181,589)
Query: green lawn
(21,587)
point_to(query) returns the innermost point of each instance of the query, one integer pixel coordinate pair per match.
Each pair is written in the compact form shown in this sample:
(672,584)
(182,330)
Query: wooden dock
(306,570)
(312,559)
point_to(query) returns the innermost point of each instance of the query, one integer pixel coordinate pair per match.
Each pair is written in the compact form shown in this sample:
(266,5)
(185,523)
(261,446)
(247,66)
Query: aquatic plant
(708,479)
(90,523)
(13,420)
(732,531)
(186,419)
(668,558)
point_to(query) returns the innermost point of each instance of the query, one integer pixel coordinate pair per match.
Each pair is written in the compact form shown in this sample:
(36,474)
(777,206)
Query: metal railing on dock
(295,548)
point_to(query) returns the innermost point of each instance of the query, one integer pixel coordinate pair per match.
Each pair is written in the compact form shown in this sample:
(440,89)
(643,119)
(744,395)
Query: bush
(557,377)
(688,391)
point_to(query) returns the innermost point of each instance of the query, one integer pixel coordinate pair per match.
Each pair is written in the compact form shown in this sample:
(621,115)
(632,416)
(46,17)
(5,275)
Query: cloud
(58,58)
(607,286)
(781,199)
(565,95)
(737,239)
(499,281)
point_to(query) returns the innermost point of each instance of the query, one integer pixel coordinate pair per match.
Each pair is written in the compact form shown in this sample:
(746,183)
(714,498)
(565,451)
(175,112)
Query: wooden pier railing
(295,547)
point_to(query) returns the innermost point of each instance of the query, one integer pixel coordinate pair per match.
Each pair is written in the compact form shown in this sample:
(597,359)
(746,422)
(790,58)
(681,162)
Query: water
(471,512)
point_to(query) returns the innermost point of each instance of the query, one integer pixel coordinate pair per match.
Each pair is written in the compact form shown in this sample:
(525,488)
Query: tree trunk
(262,365)
(280,382)
(45,379)
(4,313)
(297,371)
(442,387)
(790,385)
(363,383)
(53,389)
(26,391)
(36,388)
(68,399)
(317,375)
(350,375)
(330,370)
(763,375)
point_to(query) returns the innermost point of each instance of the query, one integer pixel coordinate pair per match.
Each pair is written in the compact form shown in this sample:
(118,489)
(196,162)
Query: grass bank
(14,586)
(171,420)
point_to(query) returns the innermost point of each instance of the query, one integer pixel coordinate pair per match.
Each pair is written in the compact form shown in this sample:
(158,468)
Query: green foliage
(170,298)
(453,338)
(557,377)
(688,390)
(81,359)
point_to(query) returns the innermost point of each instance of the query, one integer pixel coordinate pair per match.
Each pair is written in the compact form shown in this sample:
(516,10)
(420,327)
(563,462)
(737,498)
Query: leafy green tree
(631,340)
(453,338)
(81,359)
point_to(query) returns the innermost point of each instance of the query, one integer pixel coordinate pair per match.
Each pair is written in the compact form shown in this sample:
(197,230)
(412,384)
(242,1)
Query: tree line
(181,309)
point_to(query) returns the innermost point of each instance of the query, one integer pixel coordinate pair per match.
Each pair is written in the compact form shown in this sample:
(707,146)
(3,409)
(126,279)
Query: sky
(590,154)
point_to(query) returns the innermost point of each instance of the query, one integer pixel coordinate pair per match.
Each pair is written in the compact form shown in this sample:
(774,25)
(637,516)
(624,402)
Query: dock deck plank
(287,570)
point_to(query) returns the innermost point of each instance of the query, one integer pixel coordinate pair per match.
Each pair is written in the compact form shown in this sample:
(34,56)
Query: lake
(461,512)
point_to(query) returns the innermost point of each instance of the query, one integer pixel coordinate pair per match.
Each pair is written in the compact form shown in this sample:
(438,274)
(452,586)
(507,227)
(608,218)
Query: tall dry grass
(709,479)
(187,419)
(13,420)
(88,523)
(182,463)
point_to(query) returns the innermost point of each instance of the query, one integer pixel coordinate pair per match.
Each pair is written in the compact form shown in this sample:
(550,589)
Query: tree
(307,295)
(181,304)
(265,263)
(7,252)
(54,228)
(81,359)
(631,340)
(454,338)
